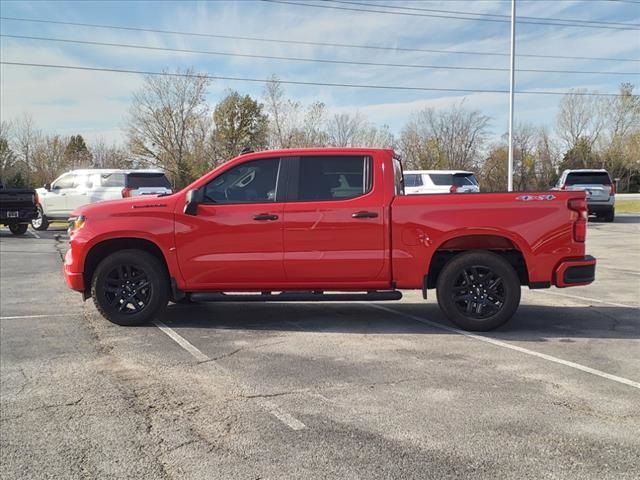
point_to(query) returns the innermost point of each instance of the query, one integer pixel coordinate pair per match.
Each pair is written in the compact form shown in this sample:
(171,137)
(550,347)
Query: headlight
(76,223)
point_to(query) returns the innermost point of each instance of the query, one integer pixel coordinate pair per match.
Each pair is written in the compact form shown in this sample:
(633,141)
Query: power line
(494,15)
(313,60)
(308,43)
(434,15)
(303,83)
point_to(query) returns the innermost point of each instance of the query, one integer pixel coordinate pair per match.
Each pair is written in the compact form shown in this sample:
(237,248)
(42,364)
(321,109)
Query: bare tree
(580,116)
(344,129)
(623,113)
(164,117)
(27,137)
(48,159)
(8,158)
(451,139)
(290,124)
(110,156)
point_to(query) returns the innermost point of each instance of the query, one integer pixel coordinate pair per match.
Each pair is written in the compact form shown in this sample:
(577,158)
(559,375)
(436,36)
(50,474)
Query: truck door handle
(265,217)
(364,214)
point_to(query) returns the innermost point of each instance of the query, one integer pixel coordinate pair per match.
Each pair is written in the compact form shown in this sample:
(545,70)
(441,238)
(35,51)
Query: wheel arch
(104,248)
(504,246)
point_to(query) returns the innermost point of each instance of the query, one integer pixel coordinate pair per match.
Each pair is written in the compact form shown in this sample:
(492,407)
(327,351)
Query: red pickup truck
(325,224)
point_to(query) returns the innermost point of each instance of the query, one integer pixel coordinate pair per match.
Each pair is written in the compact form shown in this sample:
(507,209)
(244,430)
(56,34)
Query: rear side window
(333,177)
(141,180)
(113,180)
(588,178)
(441,178)
(413,180)
(464,179)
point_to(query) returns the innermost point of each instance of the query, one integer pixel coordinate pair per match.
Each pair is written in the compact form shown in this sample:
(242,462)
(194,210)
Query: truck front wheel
(18,228)
(478,290)
(130,287)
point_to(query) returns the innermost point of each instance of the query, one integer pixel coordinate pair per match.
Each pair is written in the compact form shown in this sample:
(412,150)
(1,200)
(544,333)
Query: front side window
(66,181)
(333,177)
(250,182)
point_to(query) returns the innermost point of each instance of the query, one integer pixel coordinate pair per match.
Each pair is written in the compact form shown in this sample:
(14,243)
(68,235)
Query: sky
(95,104)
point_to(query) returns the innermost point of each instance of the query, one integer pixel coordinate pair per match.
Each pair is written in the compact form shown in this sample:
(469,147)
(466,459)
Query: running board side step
(373,296)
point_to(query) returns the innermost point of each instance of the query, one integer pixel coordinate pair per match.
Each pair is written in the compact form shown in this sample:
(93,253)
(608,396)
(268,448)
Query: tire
(130,287)
(41,222)
(492,281)
(610,215)
(18,228)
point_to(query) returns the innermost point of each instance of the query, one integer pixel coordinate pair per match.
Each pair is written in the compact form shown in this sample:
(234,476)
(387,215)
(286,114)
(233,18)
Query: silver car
(601,191)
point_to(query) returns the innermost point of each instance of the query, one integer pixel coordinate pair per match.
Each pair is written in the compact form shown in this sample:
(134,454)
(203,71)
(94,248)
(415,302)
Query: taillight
(613,190)
(126,192)
(579,205)
(36,199)
(453,189)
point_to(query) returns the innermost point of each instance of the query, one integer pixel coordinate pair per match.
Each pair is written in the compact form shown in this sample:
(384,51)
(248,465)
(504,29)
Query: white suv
(439,181)
(80,187)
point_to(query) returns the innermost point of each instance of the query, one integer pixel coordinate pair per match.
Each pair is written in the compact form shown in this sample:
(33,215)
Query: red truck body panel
(320,245)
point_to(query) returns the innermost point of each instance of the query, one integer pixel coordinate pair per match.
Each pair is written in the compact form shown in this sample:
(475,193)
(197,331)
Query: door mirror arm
(193,198)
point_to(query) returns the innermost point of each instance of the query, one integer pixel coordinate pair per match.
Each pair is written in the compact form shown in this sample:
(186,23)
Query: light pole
(511,87)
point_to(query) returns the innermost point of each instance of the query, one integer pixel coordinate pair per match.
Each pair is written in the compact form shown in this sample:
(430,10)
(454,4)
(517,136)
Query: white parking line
(271,407)
(500,343)
(586,299)
(31,232)
(621,270)
(21,317)
(173,335)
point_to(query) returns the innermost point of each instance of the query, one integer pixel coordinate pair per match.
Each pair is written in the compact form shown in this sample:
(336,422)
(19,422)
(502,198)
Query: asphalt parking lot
(270,391)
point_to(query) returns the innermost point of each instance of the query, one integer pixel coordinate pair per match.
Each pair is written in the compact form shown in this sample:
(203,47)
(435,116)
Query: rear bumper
(600,207)
(575,272)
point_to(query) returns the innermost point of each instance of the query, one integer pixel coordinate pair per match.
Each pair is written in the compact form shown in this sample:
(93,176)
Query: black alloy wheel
(130,287)
(127,289)
(478,290)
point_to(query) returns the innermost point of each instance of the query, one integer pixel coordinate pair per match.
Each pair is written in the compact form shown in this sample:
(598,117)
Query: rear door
(334,221)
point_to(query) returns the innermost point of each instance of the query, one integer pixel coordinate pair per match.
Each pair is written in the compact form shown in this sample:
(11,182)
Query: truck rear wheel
(18,228)
(41,222)
(130,287)
(478,290)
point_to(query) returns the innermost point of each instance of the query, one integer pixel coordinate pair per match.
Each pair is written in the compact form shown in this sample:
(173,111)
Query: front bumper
(74,280)
(575,272)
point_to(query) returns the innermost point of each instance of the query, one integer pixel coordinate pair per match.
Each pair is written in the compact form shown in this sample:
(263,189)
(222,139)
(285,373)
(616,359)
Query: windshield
(141,180)
(588,178)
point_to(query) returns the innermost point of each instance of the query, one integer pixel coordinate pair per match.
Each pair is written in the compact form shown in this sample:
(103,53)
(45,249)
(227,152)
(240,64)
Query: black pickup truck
(17,208)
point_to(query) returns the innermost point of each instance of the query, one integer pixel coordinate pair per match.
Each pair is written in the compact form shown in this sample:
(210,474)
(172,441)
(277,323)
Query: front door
(334,223)
(235,239)
(55,199)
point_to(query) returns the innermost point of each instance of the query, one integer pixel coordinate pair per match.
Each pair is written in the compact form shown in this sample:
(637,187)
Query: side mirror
(47,187)
(194,197)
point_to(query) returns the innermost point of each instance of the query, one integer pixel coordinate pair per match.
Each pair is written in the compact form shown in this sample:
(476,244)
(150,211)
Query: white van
(439,181)
(73,189)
